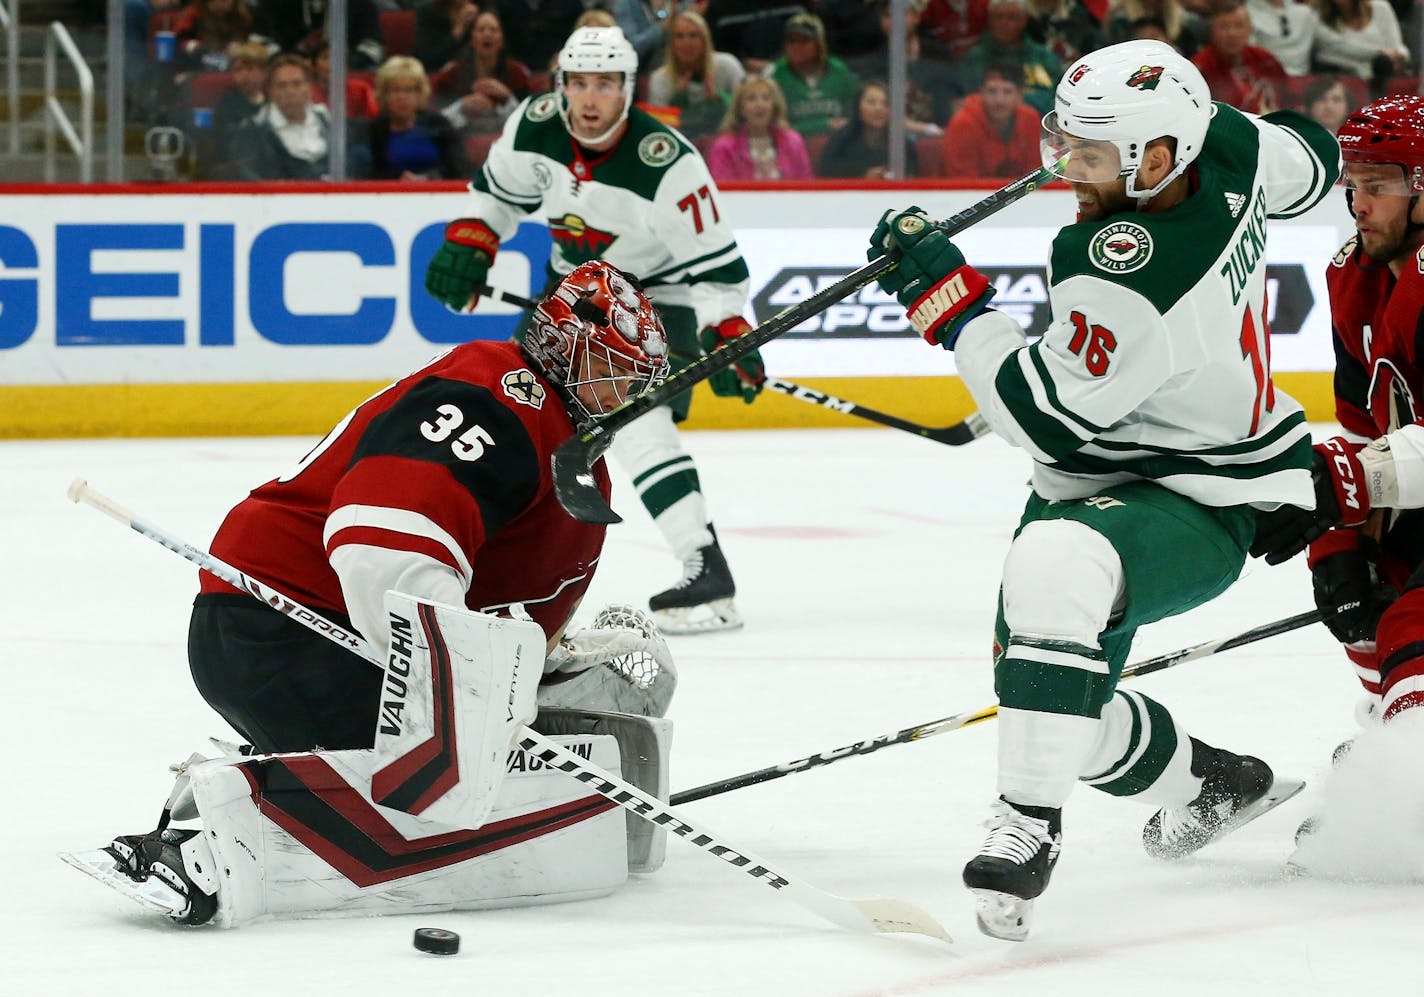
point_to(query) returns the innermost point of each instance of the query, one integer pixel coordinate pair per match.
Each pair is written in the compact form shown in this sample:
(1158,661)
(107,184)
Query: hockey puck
(437,941)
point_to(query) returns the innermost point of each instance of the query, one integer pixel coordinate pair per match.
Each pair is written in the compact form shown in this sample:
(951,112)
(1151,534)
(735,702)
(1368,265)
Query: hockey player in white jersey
(618,185)
(1148,409)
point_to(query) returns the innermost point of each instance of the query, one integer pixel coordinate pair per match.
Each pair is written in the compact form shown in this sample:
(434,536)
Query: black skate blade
(153,893)
(1002,915)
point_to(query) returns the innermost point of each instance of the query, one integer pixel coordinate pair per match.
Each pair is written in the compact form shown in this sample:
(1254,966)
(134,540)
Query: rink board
(134,311)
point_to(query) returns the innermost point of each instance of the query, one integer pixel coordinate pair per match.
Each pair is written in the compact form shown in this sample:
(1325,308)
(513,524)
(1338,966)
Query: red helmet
(1390,130)
(597,326)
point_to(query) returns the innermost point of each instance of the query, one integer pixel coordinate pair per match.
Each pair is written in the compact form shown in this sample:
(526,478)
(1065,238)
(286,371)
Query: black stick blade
(574,487)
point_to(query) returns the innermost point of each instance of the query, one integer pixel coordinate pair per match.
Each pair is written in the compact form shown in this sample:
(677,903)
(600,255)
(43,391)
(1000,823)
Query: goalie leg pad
(299,836)
(458,686)
(644,746)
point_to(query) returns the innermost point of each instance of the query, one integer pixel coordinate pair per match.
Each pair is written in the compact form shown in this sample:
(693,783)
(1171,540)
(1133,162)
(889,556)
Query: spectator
(820,90)
(1150,29)
(1066,27)
(933,88)
(694,77)
(1327,101)
(752,30)
(298,26)
(360,95)
(995,134)
(1362,39)
(1004,41)
(534,30)
(485,82)
(861,148)
(240,103)
(1184,30)
(757,142)
(288,138)
(408,142)
(1239,73)
(853,26)
(442,31)
(642,23)
(205,30)
(951,27)
(1287,30)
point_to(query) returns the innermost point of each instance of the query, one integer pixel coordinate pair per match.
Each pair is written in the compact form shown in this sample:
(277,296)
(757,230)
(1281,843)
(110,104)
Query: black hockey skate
(1013,867)
(169,871)
(702,600)
(1236,789)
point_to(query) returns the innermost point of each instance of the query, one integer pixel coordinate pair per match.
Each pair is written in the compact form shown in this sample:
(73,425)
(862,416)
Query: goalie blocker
(442,813)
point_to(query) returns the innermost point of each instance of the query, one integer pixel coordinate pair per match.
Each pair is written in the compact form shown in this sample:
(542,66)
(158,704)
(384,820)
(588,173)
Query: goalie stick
(871,916)
(956,435)
(946,724)
(573,460)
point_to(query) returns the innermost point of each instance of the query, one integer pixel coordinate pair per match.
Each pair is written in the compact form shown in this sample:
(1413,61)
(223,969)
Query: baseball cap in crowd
(808,25)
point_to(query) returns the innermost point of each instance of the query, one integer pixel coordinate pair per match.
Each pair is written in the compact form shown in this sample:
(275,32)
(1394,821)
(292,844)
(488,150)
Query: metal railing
(10,22)
(81,142)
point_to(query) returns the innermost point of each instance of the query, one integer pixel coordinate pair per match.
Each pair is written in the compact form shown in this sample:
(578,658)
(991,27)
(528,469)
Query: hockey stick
(956,436)
(572,461)
(872,916)
(968,719)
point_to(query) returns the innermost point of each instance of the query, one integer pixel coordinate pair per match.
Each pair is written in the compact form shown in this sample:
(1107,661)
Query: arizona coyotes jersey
(648,206)
(1377,322)
(451,462)
(1156,365)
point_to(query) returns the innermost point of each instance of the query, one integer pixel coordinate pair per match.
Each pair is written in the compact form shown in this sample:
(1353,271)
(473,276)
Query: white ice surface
(867,563)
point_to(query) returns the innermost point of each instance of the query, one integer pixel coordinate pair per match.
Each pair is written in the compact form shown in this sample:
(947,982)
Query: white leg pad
(458,686)
(651,446)
(299,836)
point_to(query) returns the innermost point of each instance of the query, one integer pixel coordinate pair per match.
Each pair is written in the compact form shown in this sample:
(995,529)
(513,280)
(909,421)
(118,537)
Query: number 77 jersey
(1157,362)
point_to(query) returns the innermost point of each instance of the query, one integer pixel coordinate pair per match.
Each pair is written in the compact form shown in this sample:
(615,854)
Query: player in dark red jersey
(439,487)
(1366,534)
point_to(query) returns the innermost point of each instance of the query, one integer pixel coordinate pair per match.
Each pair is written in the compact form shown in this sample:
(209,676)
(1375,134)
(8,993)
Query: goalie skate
(1236,789)
(702,601)
(157,871)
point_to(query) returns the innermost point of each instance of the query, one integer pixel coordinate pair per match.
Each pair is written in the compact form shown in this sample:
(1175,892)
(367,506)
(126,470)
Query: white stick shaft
(857,915)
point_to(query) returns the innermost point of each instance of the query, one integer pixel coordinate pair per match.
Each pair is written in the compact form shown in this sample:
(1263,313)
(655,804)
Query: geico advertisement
(284,287)
(868,332)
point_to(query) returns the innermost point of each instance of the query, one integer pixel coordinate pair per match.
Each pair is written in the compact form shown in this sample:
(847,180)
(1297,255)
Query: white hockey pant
(650,452)
(1062,584)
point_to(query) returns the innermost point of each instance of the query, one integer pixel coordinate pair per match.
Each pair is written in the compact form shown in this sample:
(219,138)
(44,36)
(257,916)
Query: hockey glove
(1342,573)
(461,264)
(940,291)
(744,378)
(1341,499)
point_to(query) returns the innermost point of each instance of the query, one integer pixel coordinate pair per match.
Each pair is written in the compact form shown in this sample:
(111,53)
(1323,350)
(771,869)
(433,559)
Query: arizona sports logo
(579,241)
(1122,247)
(657,149)
(1146,78)
(524,388)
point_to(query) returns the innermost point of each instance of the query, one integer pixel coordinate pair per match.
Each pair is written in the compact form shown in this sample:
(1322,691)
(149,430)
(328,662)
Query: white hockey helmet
(597,50)
(1126,95)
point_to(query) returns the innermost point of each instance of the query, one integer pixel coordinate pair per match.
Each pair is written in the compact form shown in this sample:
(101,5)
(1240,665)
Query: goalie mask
(597,339)
(597,50)
(1111,103)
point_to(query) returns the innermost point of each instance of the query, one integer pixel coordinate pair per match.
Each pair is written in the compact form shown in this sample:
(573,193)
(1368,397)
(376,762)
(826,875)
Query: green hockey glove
(743,379)
(940,291)
(461,264)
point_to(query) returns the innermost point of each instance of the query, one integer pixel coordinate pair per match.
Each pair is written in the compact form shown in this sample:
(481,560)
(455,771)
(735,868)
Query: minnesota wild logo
(579,241)
(1146,78)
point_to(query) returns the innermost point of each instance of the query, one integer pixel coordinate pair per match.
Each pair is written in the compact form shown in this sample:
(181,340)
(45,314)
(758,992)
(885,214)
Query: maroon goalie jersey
(451,462)
(1377,323)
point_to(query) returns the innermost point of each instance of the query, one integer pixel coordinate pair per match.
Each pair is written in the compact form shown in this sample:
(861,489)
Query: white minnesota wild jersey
(1156,365)
(648,206)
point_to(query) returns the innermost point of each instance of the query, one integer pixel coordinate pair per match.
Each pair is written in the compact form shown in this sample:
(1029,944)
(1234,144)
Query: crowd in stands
(768,90)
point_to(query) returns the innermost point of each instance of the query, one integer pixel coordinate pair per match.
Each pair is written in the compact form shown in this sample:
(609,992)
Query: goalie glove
(940,291)
(1341,499)
(619,664)
(462,263)
(744,378)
